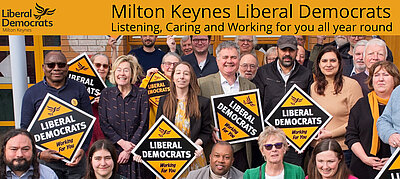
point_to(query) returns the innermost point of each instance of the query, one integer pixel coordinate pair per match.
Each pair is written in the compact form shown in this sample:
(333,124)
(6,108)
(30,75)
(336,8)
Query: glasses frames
(53,65)
(277,146)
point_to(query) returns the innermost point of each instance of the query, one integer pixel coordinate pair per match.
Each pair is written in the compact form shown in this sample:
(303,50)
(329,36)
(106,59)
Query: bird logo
(52,110)
(163,132)
(81,67)
(248,101)
(295,100)
(42,11)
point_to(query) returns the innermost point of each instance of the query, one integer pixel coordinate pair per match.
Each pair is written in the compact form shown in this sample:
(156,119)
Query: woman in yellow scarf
(369,152)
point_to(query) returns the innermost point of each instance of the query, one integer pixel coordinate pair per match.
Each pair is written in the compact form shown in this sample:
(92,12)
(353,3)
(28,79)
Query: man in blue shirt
(148,56)
(55,82)
(19,157)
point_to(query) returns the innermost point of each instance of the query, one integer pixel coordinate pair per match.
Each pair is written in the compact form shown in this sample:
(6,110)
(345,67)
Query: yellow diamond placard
(238,116)
(299,116)
(60,126)
(82,70)
(157,87)
(391,170)
(166,150)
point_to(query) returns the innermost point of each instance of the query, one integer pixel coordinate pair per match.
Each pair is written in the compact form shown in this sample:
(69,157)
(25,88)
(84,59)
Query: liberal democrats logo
(23,21)
(43,11)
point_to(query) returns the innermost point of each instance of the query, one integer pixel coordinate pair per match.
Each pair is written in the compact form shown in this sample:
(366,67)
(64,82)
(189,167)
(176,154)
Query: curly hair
(10,134)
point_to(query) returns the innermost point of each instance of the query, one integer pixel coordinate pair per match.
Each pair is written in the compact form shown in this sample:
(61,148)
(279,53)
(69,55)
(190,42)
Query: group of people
(355,143)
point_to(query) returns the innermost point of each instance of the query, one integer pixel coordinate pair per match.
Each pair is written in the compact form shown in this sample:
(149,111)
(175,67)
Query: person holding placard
(123,112)
(336,93)
(327,162)
(102,161)
(57,83)
(273,146)
(188,111)
(369,152)
(167,65)
(228,81)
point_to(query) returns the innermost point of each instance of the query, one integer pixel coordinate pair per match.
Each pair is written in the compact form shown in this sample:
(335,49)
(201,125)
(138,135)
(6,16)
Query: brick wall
(73,45)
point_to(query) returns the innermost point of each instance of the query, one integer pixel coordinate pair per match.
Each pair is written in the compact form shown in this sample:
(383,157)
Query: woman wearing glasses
(102,66)
(273,146)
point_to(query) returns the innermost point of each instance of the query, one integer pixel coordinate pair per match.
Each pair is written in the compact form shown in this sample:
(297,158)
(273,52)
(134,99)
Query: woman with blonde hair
(123,112)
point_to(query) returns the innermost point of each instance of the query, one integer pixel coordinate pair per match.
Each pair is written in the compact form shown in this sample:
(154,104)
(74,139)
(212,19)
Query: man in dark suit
(358,64)
(375,51)
(226,81)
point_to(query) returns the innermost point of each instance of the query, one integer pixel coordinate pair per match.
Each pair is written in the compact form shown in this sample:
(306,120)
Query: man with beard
(358,64)
(202,62)
(147,55)
(221,160)
(55,82)
(19,157)
(274,80)
(248,66)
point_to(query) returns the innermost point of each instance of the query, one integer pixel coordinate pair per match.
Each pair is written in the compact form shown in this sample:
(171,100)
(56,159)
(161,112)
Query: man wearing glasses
(202,62)
(247,44)
(55,82)
(248,66)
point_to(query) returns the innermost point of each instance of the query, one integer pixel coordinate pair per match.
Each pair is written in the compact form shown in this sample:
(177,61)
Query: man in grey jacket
(221,160)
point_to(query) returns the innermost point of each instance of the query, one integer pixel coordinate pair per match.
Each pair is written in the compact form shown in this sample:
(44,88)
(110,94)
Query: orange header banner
(188,17)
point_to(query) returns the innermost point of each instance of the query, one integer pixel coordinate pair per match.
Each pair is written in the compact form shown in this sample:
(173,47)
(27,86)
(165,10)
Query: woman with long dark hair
(187,110)
(336,93)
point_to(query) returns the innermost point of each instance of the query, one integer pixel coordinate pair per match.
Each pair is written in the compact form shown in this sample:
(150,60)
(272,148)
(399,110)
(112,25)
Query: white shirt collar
(229,88)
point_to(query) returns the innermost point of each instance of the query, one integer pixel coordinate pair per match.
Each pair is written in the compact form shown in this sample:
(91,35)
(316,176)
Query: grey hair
(378,42)
(271,50)
(254,40)
(271,131)
(171,54)
(252,54)
(359,43)
(97,55)
(185,38)
(227,44)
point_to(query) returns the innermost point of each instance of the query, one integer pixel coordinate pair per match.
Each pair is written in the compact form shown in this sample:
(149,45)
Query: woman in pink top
(327,162)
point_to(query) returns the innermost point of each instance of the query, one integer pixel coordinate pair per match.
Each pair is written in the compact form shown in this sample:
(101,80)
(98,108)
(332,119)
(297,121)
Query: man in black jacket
(276,78)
